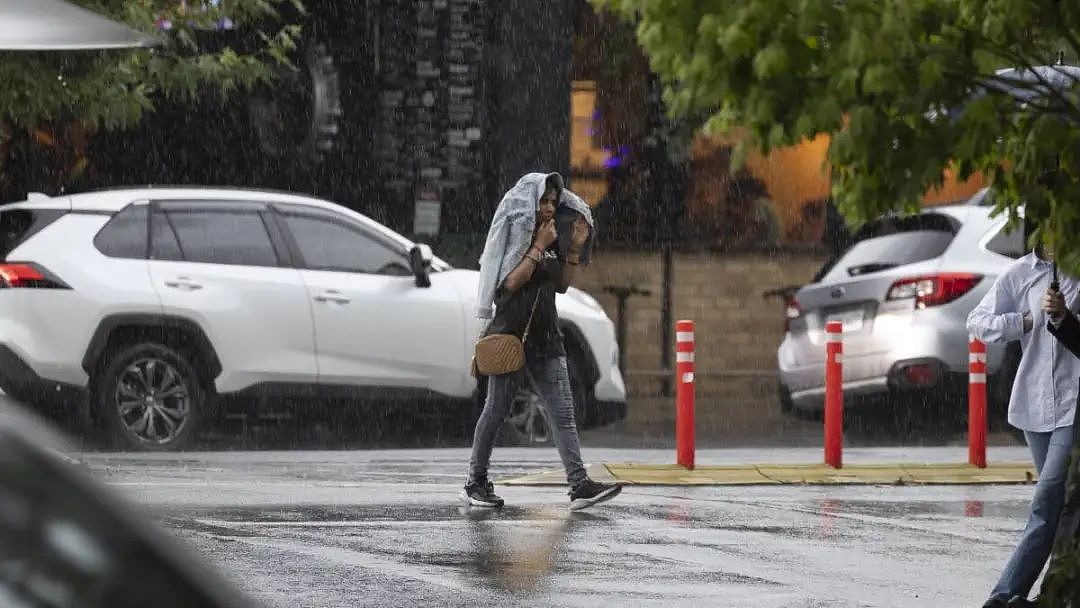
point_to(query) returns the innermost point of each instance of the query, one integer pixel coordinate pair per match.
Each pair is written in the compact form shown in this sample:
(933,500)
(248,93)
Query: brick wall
(738,330)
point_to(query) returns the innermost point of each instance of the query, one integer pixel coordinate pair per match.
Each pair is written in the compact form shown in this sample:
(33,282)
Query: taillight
(935,289)
(792,311)
(21,275)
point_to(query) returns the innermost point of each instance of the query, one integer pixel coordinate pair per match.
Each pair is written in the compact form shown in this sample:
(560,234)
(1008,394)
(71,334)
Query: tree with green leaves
(905,89)
(57,100)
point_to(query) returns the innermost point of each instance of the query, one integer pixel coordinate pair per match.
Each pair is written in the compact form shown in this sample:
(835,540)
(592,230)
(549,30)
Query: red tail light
(20,275)
(793,311)
(935,289)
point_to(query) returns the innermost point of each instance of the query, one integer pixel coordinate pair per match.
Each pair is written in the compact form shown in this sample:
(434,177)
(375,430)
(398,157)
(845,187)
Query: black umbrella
(1045,83)
(56,25)
(1042,81)
(1049,82)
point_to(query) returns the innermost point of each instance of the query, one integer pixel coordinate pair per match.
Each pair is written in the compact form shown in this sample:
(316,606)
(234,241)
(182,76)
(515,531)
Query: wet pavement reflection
(383,528)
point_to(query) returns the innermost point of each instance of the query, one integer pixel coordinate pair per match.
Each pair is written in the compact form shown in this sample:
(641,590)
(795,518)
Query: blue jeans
(549,379)
(1051,454)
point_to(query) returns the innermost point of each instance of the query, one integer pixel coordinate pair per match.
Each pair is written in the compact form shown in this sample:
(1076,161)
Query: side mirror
(420,258)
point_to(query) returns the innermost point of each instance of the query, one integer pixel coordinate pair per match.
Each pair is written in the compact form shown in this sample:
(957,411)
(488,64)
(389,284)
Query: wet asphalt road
(382,528)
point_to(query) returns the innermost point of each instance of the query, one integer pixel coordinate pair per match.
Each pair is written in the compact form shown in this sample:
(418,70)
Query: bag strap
(525,334)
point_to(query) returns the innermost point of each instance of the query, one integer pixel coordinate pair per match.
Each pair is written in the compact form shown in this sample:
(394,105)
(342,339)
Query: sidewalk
(803,466)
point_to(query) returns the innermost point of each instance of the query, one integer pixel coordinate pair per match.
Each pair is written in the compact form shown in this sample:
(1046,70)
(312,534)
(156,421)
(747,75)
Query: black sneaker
(481,494)
(589,493)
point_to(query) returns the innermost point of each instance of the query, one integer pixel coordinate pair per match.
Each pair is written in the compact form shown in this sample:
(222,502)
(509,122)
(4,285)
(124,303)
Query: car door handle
(332,296)
(183,283)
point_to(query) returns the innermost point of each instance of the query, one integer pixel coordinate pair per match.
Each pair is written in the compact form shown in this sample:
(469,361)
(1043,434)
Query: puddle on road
(374,515)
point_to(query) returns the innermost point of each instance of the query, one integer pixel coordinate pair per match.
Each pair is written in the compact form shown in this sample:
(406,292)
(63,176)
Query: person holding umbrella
(1042,404)
(1064,326)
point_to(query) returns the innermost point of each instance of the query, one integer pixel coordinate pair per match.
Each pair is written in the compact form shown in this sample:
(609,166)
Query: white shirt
(1047,381)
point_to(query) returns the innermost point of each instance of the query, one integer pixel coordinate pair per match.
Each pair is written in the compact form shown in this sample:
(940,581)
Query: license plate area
(851,319)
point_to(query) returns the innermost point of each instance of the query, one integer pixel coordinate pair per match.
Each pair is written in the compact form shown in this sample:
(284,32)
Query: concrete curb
(792,474)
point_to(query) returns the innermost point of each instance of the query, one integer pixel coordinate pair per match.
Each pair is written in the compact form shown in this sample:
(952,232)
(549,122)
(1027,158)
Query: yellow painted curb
(791,474)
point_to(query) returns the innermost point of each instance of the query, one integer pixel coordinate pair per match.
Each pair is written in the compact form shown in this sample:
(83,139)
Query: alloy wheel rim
(153,401)
(528,416)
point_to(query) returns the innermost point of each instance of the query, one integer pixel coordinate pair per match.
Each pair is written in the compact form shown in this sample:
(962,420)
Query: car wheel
(525,425)
(528,423)
(585,410)
(149,397)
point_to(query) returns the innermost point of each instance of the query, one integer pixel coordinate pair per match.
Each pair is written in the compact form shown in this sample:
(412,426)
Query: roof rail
(151,186)
(37,196)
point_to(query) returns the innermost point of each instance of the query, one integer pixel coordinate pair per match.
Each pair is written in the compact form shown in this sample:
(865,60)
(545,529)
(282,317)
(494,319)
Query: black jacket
(1068,333)
(1068,533)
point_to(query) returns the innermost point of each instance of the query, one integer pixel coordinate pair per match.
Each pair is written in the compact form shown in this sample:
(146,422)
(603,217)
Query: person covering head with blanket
(540,235)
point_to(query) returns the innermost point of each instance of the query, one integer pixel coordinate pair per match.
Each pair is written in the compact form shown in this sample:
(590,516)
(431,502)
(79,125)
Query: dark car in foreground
(66,541)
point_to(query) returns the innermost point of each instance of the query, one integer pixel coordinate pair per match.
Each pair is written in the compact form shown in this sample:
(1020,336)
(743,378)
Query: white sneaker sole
(472,502)
(585,503)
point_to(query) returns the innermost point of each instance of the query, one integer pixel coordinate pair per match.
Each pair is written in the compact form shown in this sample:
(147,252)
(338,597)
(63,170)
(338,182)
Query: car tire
(23,395)
(784,397)
(586,413)
(149,397)
(528,424)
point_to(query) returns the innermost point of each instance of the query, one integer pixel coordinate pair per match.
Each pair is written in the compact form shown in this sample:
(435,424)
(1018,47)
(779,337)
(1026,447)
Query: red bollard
(684,393)
(977,403)
(834,394)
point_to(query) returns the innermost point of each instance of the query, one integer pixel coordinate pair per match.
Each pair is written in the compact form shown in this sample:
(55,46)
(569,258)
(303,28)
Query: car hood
(573,305)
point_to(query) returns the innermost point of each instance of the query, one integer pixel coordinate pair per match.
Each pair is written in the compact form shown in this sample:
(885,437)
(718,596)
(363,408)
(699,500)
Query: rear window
(1009,243)
(890,242)
(125,234)
(18,225)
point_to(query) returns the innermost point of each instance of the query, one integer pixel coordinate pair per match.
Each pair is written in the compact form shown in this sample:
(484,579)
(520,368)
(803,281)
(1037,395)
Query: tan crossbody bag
(500,354)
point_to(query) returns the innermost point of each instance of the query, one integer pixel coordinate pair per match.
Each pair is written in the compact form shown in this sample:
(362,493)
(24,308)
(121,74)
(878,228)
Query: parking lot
(382,528)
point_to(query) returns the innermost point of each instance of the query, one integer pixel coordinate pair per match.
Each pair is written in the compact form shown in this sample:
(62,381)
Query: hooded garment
(512,228)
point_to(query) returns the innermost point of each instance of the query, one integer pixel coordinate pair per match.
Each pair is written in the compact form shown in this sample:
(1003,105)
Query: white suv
(155,301)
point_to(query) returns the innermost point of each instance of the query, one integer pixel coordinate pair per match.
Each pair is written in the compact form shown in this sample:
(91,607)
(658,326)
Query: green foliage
(113,89)
(878,76)
(885,79)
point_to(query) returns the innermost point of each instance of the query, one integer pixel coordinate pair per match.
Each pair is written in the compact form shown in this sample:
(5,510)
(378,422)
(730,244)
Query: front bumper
(19,381)
(598,332)
(14,371)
